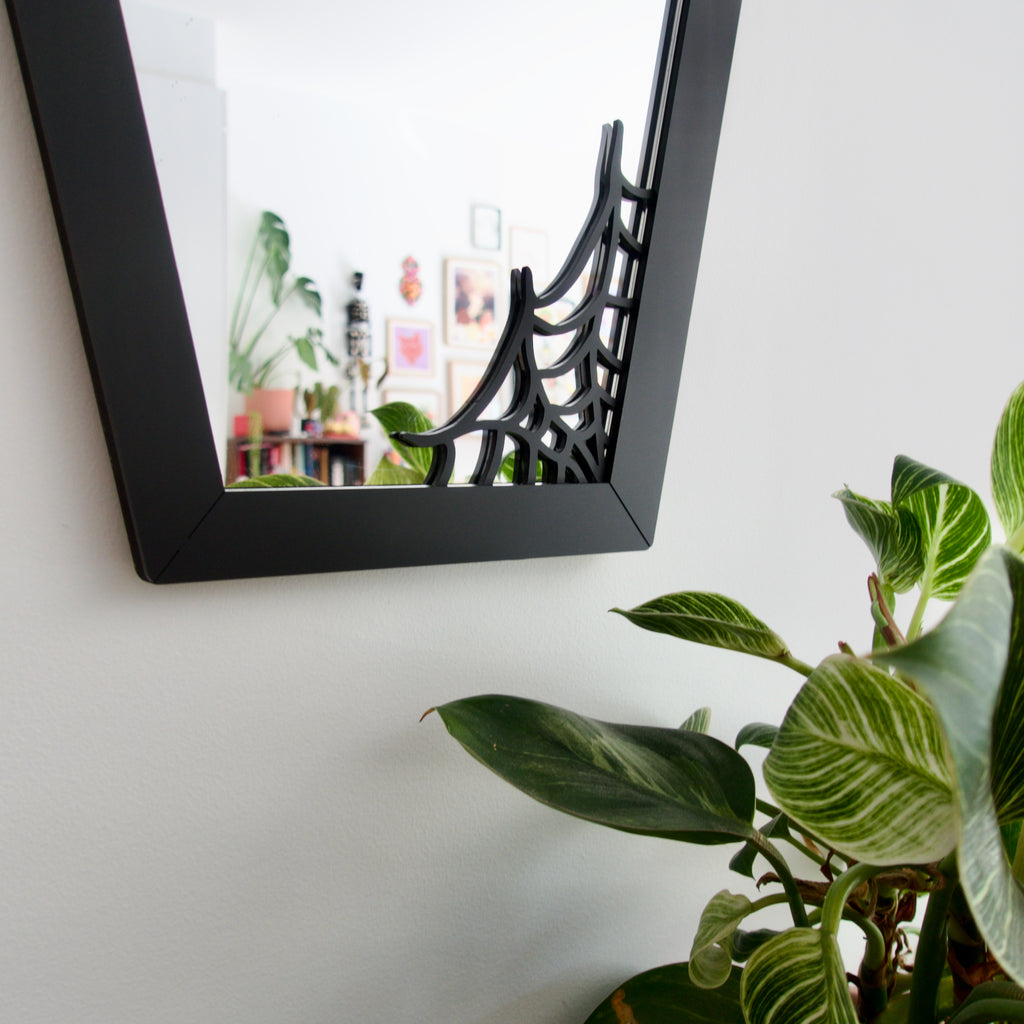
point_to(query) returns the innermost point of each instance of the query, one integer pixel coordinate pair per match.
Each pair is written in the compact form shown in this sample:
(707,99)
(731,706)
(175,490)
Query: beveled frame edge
(182,524)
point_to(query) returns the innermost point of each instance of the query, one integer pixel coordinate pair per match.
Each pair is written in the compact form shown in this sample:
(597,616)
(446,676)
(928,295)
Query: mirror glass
(429,148)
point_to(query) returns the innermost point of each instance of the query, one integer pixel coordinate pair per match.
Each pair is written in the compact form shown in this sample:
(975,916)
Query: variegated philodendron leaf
(797,977)
(892,536)
(667,994)
(660,782)
(960,665)
(711,954)
(708,619)
(1008,470)
(756,734)
(954,524)
(1008,724)
(859,762)
(699,721)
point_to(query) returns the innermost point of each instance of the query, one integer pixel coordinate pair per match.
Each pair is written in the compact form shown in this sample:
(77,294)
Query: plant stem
(796,664)
(777,861)
(930,958)
(839,893)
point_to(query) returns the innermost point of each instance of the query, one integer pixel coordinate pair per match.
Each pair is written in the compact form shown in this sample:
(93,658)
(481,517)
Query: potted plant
(266,288)
(898,772)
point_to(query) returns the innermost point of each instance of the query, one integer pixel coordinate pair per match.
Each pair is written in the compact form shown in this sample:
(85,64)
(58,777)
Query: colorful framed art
(410,346)
(470,293)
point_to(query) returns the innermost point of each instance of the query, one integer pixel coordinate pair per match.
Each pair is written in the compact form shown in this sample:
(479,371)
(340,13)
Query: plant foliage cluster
(900,772)
(266,288)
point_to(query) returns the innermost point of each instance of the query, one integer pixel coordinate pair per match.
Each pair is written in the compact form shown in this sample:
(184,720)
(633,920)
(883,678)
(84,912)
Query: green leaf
(745,944)
(859,761)
(960,665)
(305,350)
(699,721)
(711,619)
(508,467)
(307,292)
(277,480)
(711,953)
(1008,723)
(387,474)
(756,734)
(955,530)
(401,417)
(659,782)
(991,1001)
(1008,470)
(892,535)
(796,978)
(743,861)
(667,996)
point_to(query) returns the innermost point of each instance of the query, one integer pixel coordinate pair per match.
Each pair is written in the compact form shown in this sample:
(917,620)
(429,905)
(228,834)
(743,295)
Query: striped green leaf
(892,536)
(756,734)
(711,953)
(699,721)
(1008,725)
(1008,470)
(954,525)
(708,619)
(961,666)
(659,782)
(667,996)
(276,480)
(859,762)
(797,977)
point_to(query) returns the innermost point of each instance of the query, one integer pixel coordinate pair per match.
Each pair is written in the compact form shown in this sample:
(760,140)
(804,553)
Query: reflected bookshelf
(333,460)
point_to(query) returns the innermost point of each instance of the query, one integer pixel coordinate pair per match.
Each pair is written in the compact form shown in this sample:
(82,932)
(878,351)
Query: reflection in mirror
(428,151)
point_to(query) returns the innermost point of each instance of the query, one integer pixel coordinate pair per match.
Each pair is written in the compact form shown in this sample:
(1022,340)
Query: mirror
(432,136)
(182,523)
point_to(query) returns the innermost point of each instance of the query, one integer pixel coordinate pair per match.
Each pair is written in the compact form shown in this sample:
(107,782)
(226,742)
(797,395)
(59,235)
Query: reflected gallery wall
(427,151)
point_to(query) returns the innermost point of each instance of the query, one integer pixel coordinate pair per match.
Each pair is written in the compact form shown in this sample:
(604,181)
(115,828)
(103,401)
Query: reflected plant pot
(275,406)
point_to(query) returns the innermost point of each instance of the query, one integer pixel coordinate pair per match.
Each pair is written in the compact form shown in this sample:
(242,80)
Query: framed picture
(410,347)
(486,225)
(428,402)
(470,318)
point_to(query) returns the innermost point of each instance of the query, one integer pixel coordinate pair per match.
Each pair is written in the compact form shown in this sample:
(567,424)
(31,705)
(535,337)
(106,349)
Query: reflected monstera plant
(899,771)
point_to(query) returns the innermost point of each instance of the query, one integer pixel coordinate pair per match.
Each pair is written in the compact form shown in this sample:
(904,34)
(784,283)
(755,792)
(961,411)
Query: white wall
(216,803)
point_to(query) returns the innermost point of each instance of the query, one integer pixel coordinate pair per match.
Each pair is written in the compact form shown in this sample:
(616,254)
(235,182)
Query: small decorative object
(486,227)
(897,774)
(410,286)
(359,344)
(470,314)
(410,347)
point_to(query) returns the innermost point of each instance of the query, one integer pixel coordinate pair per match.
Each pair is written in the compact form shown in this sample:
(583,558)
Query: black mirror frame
(182,524)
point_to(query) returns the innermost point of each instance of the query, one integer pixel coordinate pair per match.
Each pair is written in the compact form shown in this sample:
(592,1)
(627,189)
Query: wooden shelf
(335,460)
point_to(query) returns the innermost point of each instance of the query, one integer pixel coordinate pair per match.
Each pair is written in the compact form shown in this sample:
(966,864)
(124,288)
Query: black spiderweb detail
(570,441)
